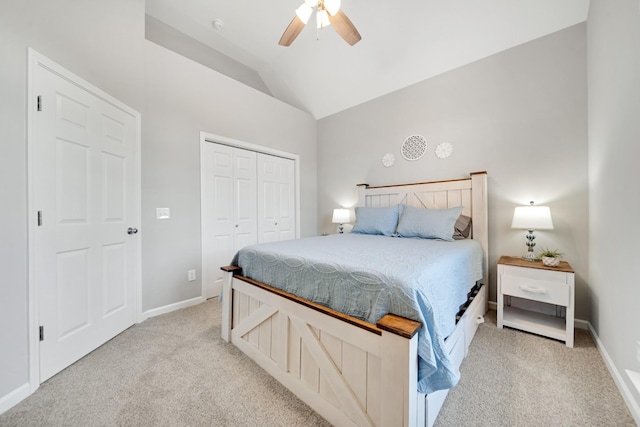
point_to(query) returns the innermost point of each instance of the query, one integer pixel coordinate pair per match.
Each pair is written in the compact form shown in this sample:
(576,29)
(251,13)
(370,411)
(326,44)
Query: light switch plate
(163,213)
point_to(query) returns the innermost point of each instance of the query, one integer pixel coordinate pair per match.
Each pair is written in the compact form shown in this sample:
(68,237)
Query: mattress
(368,276)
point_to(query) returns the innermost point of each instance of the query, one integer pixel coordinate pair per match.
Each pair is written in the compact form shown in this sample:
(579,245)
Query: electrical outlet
(638,351)
(191,275)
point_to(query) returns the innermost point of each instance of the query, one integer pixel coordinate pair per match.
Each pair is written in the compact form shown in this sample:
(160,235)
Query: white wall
(103,42)
(614,190)
(100,41)
(520,115)
(183,98)
(167,36)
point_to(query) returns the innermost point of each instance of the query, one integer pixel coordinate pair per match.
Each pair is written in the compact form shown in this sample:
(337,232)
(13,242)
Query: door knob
(132,230)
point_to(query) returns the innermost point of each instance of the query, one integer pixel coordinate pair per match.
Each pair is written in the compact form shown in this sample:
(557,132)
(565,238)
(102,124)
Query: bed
(365,369)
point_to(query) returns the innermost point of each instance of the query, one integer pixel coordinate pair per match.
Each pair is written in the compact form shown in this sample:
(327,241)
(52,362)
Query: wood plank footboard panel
(338,369)
(350,375)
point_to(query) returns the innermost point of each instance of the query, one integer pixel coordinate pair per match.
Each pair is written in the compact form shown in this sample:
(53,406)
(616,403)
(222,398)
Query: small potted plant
(550,258)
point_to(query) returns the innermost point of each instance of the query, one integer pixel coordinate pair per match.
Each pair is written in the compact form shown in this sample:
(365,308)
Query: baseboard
(617,378)
(582,324)
(13,398)
(172,307)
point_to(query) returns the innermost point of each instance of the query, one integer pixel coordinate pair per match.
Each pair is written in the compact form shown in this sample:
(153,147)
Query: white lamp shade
(332,6)
(304,12)
(532,218)
(341,216)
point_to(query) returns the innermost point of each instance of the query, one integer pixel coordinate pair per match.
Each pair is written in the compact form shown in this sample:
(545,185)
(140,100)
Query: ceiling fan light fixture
(332,6)
(328,14)
(304,12)
(322,19)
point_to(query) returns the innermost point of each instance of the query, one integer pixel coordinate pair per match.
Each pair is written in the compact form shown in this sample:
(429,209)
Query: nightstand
(532,280)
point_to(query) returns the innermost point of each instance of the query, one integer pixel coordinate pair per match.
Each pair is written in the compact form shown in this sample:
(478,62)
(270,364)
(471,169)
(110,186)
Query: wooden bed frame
(351,372)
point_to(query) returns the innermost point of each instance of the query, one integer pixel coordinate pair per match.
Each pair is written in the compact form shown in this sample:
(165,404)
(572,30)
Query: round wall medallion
(414,147)
(444,150)
(388,160)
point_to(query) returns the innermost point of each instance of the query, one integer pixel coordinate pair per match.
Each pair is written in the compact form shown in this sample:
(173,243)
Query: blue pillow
(376,220)
(428,223)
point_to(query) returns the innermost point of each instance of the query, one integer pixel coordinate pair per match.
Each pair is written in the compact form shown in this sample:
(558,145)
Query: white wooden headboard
(471,193)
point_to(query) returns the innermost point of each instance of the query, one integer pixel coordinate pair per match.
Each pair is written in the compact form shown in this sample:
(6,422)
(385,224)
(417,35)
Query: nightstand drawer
(538,290)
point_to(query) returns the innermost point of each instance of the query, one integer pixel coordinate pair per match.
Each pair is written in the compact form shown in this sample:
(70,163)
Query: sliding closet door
(276,199)
(229,208)
(247,198)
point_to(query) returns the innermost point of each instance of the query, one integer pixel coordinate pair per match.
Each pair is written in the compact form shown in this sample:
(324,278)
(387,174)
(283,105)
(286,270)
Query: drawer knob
(533,290)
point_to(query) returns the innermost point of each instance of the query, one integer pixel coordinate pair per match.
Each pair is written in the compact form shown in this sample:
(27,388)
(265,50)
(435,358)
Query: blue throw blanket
(368,276)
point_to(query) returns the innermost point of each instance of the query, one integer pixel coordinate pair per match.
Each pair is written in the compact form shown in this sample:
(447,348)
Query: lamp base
(530,256)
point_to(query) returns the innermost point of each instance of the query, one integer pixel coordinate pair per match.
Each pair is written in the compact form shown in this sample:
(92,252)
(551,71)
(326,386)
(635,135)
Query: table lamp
(532,218)
(341,216)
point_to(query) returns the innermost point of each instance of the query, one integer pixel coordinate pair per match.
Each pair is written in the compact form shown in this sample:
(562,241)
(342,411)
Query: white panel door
(276,198)
(217,213)
(86,262)
(228,210)
(245,200)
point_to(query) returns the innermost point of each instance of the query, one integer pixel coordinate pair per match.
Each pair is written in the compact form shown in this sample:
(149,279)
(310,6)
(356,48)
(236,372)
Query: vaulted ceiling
(403,41)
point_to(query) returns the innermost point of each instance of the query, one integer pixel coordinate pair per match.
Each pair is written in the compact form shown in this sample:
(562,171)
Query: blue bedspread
(369,276)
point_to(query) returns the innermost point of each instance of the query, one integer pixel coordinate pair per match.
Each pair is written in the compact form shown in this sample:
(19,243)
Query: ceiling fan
(328,13)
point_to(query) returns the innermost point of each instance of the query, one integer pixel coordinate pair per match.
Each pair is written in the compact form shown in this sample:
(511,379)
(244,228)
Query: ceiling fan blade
(345,28)
(292,31)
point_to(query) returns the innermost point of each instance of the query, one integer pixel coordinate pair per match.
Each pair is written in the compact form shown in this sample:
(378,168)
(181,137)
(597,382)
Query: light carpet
(174,370)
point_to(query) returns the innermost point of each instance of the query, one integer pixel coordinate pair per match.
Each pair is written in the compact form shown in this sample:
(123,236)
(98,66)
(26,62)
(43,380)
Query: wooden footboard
(350,372)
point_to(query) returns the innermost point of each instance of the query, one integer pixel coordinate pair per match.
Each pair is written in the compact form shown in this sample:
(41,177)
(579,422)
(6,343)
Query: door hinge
(39,218)
(39,102)
(41,333)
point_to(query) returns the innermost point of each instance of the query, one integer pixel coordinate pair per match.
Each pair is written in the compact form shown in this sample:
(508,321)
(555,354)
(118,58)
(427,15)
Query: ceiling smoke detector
(217,24)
